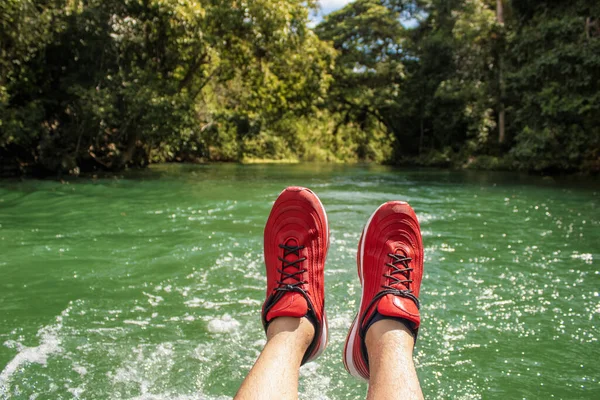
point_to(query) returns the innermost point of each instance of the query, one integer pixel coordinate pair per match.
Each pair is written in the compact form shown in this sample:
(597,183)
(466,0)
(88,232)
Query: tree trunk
(501,116)
(500,12)
(421,138)
(501,111)
(194,67)
(129,150)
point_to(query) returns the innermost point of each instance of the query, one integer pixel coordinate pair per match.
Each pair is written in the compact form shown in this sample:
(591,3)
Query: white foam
(76,392)
(80,369)
(165,396)
(250,302)
(447,248)
(314,385)
(225,324)
(309,369)
(144,365)
(586,257)
(193,303)
(153,300)
(136,322)
(341,322)
(50,344)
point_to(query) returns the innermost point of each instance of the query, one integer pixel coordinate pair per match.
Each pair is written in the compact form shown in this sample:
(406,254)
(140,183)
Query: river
(149,285)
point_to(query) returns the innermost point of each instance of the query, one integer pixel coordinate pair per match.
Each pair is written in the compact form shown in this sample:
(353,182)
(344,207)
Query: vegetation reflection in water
(149,285)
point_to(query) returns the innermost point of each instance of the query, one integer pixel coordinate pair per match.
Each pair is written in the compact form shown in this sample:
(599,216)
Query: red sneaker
(296,243)
(390,268)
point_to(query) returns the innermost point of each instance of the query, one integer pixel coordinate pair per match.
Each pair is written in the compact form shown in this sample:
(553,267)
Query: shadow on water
(303,171)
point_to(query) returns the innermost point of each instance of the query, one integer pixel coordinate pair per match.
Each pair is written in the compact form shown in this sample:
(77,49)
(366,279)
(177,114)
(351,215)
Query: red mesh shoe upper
(295,247)
(390,267)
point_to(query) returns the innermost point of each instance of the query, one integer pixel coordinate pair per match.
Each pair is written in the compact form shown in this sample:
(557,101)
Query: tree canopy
(110,84)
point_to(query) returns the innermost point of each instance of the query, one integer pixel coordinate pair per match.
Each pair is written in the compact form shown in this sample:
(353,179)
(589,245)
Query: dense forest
(91,85)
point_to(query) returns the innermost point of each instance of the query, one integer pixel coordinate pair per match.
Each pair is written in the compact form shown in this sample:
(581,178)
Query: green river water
(149,285)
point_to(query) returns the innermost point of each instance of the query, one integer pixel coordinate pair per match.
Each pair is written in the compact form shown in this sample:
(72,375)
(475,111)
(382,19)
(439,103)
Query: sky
(328,6)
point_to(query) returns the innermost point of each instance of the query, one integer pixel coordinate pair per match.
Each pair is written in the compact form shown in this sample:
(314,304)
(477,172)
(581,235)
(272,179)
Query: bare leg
(393,376)
(275,373)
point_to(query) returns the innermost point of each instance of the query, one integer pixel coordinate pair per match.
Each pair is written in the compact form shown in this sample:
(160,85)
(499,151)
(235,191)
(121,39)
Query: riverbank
(159,170)
(11,168)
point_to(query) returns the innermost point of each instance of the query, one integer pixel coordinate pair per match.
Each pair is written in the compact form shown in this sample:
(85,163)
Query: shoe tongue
(399,307)
(291,304)
(391,305)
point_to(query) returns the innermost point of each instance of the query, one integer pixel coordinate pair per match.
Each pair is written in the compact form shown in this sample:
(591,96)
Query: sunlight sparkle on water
(157,291)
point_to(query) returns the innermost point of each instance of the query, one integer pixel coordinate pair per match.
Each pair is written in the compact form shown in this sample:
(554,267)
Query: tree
(107,84)
(554,87)
(367,80)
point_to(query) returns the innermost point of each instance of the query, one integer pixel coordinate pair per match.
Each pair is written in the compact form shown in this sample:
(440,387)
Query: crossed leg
(275,373)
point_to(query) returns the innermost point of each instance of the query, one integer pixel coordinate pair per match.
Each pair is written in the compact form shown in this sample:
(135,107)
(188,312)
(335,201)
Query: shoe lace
(404,280)
(290,270)
(291,281)
(396,270)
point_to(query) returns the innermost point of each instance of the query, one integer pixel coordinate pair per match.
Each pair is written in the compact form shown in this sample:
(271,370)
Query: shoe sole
(349,346)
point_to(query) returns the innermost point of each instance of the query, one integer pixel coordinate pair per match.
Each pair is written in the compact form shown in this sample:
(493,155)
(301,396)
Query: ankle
(297,331)
(389,332)
(390,345)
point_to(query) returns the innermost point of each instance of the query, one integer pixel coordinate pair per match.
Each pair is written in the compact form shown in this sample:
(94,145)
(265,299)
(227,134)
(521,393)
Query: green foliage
(556,87)
(111,84)
(441,89)
(472,81)
(557,148)
(485,162)
(106,84)
(369,68)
